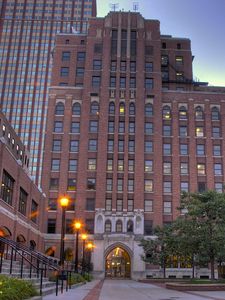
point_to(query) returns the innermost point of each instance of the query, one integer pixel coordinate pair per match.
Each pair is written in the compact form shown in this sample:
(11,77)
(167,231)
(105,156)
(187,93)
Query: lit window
(201,169)
(122,109)
(182,113)
(166,113)
(179,60)
(120,166)
(109,164)
(92,164)
(199,131)
(148,185)
(148,165)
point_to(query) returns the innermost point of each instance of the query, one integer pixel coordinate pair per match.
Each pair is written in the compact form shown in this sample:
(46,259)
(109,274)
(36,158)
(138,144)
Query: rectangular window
(217,169)
(149,83)
(92,164)
(7,187)
(219,187)
(71,184)
(201,169)
(90,225)
(54,183)
(109,164)
(130,165)
(201,187)
(55,165)
(130,205)
(123,66)
(184,187)
(148,166)
(131,146)
(122,82)
(58,126)
(74,146)
(96,81)
(97,64)
(167,207)
(120,165)
(52,204)
(167,130)
(119,205)
(121,127)
(119,185)
(108,204)
(132,82)
(199,131)
(148,185)
(120,146)
(56,145)
(167,187)
(51,226)
(131,127)
(81,56)
(133,66)
(111,127)
(148,146)
(148,128)
(183,149)
(216,150)
(179,76)
(93,126)
(216,132)
(34,211)
(164,60)
(148,67)
(183,168)
(183,131)
(167,168)
(148,227)
(65,56)
(109,184)
(75,127)
(112,81)
(72,164)
(64,72)
(91,184)
(90,204)
(166,149)
(130,185)
(110,146)
(113,66)
(200,149)
(92,145)
(148,206)
(80,72)
(23,201)
(179,60)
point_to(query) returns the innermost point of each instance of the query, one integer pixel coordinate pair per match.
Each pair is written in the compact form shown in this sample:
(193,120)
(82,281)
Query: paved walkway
(131,290)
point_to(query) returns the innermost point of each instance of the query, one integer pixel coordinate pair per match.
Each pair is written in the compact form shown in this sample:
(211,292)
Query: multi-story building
(21,201)
(27,36)
(127,131)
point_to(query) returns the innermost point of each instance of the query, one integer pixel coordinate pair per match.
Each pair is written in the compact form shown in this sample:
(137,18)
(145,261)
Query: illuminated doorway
(118,264)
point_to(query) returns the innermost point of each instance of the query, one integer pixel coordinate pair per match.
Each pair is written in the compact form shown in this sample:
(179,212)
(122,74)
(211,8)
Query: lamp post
(90,247)
(64,201)
(77,227)
(83,237)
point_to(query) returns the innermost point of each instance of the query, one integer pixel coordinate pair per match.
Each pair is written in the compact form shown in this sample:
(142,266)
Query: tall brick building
(127,130)
(27,37)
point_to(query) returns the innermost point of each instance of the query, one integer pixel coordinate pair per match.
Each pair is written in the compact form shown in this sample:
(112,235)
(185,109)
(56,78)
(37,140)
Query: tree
(206,213)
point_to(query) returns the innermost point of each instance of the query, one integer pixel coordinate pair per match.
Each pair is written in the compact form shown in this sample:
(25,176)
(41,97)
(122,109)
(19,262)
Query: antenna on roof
(114,6)
(135,6)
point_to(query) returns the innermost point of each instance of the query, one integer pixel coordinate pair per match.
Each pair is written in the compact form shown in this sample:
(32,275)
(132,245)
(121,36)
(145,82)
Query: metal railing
(35,263)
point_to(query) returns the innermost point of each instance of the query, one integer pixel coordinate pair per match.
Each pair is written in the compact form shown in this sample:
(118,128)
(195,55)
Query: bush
(88,277)
(16,289)
(76,278)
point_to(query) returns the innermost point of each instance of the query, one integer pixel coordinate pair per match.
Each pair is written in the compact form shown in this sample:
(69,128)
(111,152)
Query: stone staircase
(48,287)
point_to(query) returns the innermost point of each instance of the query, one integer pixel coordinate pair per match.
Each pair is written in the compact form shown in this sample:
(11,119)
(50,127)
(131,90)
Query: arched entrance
(118,263)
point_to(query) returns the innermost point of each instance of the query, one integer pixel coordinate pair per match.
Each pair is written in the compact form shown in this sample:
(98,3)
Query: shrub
(16,289)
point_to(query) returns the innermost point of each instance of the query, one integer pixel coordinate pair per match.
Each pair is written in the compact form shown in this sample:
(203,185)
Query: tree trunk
(164,269)
(212,265)
(193,267)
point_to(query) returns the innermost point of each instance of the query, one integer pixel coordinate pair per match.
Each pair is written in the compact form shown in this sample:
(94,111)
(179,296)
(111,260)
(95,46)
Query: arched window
(76,109)
(122,108)
(111,108)
(119,226)
(132,109)
(215,113)
(199,113)
(182,113)
(94,108)
(148,110)
(166,112)
(59,109)
(108,226)
(130,226)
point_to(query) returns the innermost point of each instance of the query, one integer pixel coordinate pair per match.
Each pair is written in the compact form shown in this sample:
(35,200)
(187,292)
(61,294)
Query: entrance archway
(118,263)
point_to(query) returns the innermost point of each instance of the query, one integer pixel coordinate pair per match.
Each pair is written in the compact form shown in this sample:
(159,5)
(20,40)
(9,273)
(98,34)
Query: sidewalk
(78,293)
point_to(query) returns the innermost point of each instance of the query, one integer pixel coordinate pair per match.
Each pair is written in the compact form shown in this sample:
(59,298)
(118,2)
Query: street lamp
(83,237)
(90,247)
(64,201)
(77,226)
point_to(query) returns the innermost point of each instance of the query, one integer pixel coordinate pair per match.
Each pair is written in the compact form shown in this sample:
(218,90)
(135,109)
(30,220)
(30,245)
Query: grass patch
(16,289)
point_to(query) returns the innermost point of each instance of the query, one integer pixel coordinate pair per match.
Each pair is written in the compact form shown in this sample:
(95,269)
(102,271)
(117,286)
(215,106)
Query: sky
(202,21)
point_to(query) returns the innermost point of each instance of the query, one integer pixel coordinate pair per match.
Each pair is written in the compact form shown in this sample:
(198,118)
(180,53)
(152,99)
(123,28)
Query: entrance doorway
(118,264)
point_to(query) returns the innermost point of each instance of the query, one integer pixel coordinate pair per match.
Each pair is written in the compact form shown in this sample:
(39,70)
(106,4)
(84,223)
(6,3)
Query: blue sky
(203,21)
